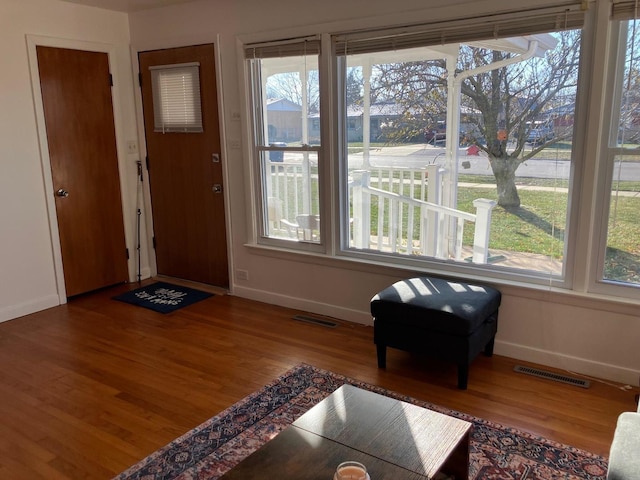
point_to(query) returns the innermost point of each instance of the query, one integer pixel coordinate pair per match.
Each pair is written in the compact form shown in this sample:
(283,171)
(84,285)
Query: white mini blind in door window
(176,98)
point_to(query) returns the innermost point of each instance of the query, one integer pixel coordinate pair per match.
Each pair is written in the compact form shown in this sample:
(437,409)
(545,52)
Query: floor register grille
(316,321)
(536,372)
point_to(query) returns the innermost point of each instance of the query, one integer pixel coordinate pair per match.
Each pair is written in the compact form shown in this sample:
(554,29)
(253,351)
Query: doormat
(163,297)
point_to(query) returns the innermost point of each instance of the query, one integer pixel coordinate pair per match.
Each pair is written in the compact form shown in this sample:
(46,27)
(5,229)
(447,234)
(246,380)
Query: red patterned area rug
(213,448)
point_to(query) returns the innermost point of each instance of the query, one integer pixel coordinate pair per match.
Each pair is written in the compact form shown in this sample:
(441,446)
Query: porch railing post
(306,184)
(361,209)
(484,208)
(434,195)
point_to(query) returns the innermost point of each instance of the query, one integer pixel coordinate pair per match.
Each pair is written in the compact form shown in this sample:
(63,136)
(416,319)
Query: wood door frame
(33,41)
(224,153)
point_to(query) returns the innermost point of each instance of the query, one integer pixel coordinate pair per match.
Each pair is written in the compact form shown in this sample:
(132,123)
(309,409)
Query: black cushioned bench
(449,320)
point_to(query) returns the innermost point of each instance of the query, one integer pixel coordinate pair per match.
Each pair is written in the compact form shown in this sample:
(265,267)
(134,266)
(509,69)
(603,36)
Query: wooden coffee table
(394,439)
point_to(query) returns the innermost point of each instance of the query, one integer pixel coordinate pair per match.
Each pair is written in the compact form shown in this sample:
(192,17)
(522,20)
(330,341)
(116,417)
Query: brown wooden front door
(78,111)
(185,175)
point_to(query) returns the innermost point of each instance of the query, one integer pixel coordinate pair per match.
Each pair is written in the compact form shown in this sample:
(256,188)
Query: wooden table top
(394,439)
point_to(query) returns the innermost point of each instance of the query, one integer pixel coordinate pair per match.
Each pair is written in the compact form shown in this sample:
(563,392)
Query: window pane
(176,98)
(436,137)
(622,259)
(288,141)
(292,100)
(292,195)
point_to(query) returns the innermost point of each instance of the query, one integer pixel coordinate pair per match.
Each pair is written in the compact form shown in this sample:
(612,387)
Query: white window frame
(260,149)
(460,29)
(617,36)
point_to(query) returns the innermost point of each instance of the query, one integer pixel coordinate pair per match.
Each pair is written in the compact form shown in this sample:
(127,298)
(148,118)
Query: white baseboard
(591,369)
(318,308)
(32,306)
(569,363)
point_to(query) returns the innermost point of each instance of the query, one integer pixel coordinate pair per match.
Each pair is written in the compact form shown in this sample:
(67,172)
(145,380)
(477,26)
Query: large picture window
(462,151)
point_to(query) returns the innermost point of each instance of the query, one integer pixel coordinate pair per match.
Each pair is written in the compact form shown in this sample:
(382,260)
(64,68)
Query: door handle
(217,188)
(61,192)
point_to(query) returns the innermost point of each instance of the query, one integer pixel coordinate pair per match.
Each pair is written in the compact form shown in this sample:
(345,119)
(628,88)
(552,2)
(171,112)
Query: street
(421,155)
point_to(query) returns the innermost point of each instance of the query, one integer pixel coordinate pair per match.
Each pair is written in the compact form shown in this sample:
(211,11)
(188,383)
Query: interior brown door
(185,175)
(78,111)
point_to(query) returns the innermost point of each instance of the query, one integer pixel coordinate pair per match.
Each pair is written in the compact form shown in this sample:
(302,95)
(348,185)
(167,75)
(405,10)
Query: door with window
(185,170)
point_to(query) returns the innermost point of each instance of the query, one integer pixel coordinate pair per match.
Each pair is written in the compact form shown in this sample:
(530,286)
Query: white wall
(28,277)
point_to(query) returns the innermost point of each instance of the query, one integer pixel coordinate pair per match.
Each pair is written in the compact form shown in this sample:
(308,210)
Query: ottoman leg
(463,376)
(382,356)
(488,349)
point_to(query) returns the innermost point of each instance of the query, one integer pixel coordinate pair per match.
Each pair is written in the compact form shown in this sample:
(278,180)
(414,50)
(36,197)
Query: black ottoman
(449,320)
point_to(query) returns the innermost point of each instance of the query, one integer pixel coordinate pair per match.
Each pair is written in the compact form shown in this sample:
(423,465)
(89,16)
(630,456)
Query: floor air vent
(578,382)
(315,321)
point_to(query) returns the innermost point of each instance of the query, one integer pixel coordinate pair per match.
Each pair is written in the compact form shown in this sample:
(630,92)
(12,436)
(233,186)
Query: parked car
(439,137)
(540,135)
(275,155)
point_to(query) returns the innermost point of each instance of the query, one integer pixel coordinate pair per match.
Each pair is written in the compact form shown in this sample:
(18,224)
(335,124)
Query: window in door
(176,98)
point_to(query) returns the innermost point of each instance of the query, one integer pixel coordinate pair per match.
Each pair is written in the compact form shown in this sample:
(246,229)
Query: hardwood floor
(89,388)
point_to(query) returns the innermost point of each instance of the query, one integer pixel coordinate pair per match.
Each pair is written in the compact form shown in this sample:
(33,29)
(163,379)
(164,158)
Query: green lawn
(622,261)
(538,226)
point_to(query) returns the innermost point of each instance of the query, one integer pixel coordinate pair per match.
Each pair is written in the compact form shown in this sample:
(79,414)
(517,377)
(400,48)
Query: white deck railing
(410,217)
(400,230)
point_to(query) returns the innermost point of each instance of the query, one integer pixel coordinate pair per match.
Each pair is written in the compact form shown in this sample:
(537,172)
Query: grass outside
(622,259)
(537,226)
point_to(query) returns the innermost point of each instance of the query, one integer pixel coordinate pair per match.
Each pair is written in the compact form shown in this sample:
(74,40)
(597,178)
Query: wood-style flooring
(91,387)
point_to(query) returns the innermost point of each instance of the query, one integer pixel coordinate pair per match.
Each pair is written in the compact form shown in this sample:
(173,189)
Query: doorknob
(61,192)
(217,188)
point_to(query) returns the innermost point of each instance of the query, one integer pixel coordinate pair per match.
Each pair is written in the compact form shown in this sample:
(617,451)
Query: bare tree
(417,88)
(288,85)
(629,123)
(508,101)
(513,98)
(354,86)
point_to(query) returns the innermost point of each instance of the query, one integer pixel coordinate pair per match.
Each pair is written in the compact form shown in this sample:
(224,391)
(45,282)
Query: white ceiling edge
(127,5)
